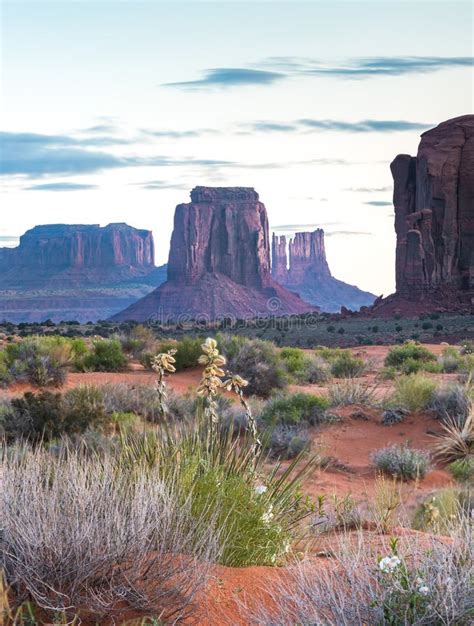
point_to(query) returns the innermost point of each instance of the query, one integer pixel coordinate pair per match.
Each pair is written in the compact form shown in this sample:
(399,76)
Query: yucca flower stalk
(163,363)
(211,381)
(236,384)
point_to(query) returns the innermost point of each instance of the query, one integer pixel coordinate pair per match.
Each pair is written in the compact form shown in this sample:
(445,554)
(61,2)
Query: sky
(112,111)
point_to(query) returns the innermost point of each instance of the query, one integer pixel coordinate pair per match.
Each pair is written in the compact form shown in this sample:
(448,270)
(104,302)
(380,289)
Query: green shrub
(255,360)
(295,409)
(462,469)
(304,368)
(36,417)
(256,515)
(41,361)
(438,513)
(84,408)
(188,351)
(412,351)
(347,366)
(106,355)
(351,392)
(402,461)
(413,392)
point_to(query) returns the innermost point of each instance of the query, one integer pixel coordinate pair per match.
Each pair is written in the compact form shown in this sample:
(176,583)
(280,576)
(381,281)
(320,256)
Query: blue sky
(113,111)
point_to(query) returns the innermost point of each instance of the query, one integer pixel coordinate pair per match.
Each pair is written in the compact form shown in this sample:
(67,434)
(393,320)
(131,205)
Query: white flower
(424,590)
(419,581)
(267,516)
(259,489)
(389,563)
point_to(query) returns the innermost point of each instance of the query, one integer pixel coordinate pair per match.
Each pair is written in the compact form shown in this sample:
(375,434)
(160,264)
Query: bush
(402,461)
(462,469)
(85,533)
(188,351)
(287,442)
(106,355)
(83,408)
(295,409)
(347,366)
(255,360)
(41,361)
(412,351)
(413,392)
(441,511)
(351,392)
(36,417)
(304,368)
(451,401)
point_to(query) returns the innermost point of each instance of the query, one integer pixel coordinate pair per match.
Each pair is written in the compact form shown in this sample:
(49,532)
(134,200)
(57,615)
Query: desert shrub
(456,441)
(451,401)
(304,368)
(256,513)
(413,392)
(347,366)
(188,350)
(83,407)
(256,360)
(450,360)
(287,442)
(416,579)
(393,416)
(5,376)
(41,361)
(409,351)
(141,339)
(387,373)
(462,469)
(352,392)
(402,461)
(36,417)
(440,512)
(336,513)
(142,546)
(105,355)
(295,409)
(7,416)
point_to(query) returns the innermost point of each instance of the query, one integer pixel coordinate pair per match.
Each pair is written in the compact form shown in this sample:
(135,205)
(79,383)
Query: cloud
(271,127)
(368,189)
(345,233)
(160,184)
(178,134)
(294,228)
(60,186)
(223,77)
(364,126)
(8,238)
(366,67)
(379,203)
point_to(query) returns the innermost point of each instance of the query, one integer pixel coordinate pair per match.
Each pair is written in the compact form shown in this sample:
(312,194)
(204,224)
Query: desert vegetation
(266,457)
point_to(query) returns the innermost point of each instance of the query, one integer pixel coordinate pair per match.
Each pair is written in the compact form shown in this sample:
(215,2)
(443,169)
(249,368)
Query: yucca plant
(457,439)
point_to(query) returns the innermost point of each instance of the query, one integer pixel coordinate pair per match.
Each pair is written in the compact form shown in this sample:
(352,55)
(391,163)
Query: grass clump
(295,409)
(402,461)
(456,441)
(411,356)
(462,469)
(451,401)
(413,392)
(347,366)
(352,392)
(304,368)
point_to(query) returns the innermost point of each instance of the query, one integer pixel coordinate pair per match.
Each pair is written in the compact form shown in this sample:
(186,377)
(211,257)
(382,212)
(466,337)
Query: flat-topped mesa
(223,230)
(434,210)
(58,247)
(219,263)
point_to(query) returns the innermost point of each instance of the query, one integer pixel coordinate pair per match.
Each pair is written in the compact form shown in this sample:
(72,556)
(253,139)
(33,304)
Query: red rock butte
(307,272)
(434,222)
(219,263)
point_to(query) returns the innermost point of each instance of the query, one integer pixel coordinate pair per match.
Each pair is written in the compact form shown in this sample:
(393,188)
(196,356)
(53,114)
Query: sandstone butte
(304,269)
(219,263)
(434,222)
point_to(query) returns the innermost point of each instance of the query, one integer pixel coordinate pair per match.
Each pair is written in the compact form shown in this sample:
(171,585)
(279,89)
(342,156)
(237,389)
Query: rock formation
(219,263)
(81,272)
(307,273)
(434,220)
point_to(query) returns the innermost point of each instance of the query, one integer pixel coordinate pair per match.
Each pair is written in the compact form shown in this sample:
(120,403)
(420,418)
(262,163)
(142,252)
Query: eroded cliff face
(305,269)
(219,263)
(223,230)
(434,211)
(81,272)
(57,248)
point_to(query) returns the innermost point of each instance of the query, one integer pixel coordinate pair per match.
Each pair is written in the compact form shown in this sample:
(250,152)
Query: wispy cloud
(362,126)
(161,184)
(368,189)
(177,134)
(60,186)
(347,233)
(296,228)
(378,203)
(222,77)
(366,67)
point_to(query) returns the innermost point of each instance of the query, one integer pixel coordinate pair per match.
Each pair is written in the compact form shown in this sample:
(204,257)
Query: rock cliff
(81,272)
(307,272)
(219,263)
(434,219)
